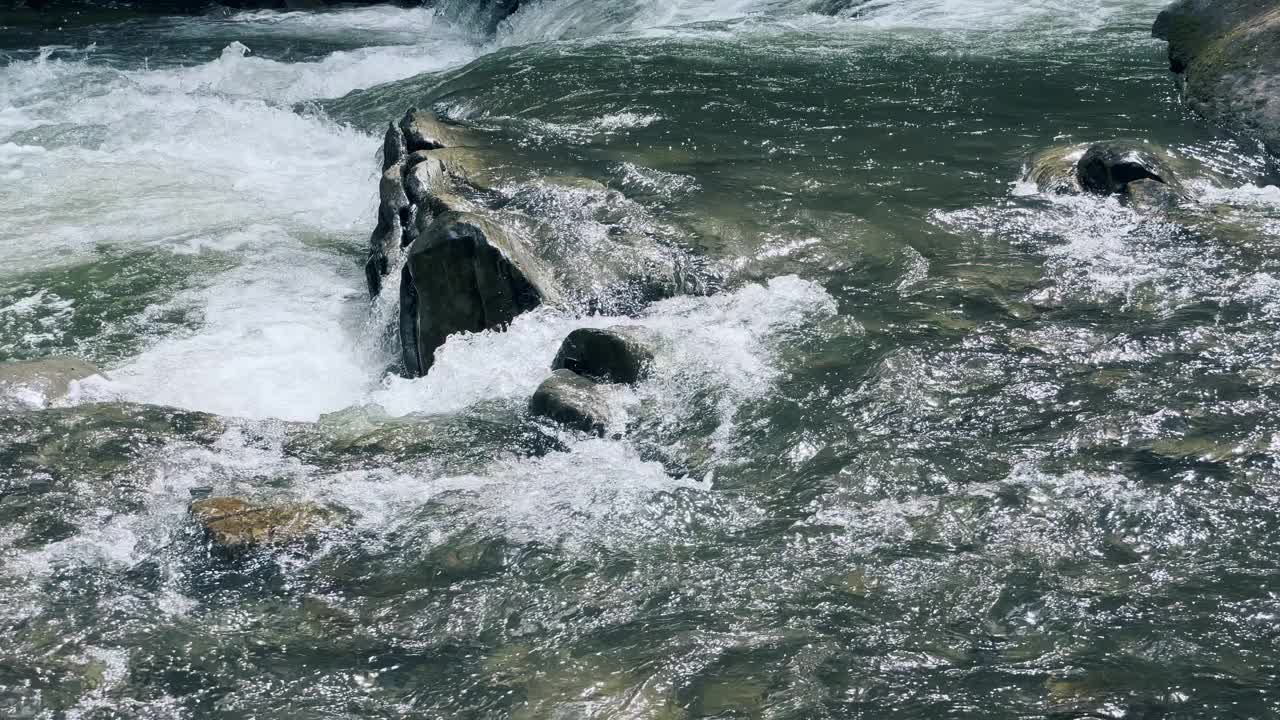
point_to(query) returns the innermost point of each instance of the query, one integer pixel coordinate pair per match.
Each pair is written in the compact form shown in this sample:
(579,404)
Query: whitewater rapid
(214,156)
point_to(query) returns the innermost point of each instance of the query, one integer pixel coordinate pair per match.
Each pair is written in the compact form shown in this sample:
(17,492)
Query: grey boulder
(393,147)
(573,401)
(394,211)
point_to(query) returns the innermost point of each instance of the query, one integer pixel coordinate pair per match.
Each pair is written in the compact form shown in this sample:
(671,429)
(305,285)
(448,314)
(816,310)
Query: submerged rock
(620,354)
(1228,53)
(468,275)
(1152,195)
(1116,167)
(36,383)
(573,401)
(234,524)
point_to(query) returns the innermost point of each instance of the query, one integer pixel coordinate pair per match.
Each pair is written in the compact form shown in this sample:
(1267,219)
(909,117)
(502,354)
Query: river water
(936,446)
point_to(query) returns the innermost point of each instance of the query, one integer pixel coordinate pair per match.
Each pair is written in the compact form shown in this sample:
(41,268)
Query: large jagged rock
(394,210)
(1115,167)
(234,524)
(573,401)
(424,162)
(482,244)
(1228,53)
(620,354)
(468,274)
(394,150)
(36,383)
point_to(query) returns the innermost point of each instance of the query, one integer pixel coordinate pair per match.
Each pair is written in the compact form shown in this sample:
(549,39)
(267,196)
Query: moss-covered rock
(1228,53)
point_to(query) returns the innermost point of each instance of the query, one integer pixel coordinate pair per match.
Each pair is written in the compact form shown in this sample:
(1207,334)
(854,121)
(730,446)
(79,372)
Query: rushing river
(936,446)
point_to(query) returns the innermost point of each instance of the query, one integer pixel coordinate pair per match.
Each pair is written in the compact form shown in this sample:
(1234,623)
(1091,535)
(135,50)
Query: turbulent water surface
(936,446)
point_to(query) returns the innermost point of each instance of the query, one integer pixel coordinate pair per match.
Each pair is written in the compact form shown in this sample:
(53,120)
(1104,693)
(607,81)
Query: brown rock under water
(236,524)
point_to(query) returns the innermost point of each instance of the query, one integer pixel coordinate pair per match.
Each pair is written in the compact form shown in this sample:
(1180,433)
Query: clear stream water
(938,446)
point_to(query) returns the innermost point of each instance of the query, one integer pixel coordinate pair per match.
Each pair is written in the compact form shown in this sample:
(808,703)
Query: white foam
(986,15)
(561,19)
(1266,197)
(1100,251)
(174,167)
(238,73)
(277,340)
(380,24)
(195,161)
(719,341)
(599,493)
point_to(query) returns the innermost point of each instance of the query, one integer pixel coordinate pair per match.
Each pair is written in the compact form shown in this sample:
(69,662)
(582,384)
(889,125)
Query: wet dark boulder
(620,354)
(424,161)
(571,400)
(1107,169)
(478,242)
(1117,167)
(394,150)
(387,238)
(1228,55)
(468,274)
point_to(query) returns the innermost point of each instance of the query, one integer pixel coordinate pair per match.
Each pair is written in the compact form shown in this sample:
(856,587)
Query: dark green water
(938,447)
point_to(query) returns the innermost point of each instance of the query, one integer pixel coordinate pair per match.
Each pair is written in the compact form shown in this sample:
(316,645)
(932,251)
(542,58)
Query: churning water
(939,446)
